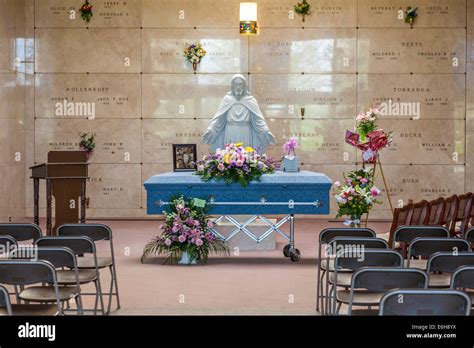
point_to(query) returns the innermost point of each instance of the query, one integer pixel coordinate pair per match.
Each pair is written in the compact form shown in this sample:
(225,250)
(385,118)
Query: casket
(301,192)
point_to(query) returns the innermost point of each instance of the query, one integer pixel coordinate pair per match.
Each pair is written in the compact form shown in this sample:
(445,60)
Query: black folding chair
(354,248)
(97,232)
(80,245)
(469,236)
(328,264)
(425,247)
(59,257)
(5,305)
(442,264)
(7,244)
(369,285)
(463,278)
(425,302)
(405,234)
(21,231)
(28,272)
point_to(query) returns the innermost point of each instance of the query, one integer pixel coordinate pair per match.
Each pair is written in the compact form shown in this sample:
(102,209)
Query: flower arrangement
(86,11)
(194,53)
(290,147)
(87,142)
(357,195)
(302,8)
(235,163)
(187,229)
(410,15)
(367,137)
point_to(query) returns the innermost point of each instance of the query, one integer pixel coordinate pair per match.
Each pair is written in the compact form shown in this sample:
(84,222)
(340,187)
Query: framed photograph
(183,157)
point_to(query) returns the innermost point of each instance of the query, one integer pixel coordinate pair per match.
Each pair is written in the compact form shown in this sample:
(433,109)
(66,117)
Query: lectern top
(67,156)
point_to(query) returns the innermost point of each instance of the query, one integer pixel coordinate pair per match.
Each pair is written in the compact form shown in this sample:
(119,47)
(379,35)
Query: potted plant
(87,143)
(186,235)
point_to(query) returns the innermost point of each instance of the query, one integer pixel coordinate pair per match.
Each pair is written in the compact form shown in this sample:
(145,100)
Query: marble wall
(348,55)
(13,85)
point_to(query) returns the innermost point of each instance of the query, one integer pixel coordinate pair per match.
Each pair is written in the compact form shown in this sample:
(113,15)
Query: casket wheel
(286,250)
(295,255)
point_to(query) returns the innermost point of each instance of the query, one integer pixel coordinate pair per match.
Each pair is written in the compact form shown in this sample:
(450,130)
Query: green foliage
(87,141)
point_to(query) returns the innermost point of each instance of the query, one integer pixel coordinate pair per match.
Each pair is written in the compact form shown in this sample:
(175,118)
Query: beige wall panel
(321,95)
(324,14)
(108,95)
(431,13)
(417,50)
(12,191)
(428,95)
(7,49)
(170,96)
(116,14)
(93,50)
(117,140)
(7,17)
(163,50)
(321,141)
(114,186)
(424,142)
(190,13)
(159,136)
(303,50)
(11,140)
(8,90)
(470,30)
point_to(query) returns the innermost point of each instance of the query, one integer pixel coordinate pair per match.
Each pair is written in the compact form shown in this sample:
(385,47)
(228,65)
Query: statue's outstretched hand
(207,137)
(269,138)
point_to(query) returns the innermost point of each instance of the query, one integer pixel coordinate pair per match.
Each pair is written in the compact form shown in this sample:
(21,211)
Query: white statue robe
(239,121)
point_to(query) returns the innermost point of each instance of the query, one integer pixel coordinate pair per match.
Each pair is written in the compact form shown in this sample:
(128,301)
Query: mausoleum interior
(224,157)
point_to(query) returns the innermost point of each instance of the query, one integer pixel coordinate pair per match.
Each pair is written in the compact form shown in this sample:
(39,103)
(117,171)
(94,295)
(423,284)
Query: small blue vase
(185,259)
(290,164)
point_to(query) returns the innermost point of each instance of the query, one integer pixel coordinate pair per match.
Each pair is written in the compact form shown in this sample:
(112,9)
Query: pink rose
(196,223)
(199,242)
(210,224)
(337,184)
(364,180)
(167,242)
(375,191)
(239,163)
(182,238)
(220,166)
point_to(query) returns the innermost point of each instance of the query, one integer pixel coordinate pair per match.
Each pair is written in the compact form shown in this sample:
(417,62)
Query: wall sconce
(248,18)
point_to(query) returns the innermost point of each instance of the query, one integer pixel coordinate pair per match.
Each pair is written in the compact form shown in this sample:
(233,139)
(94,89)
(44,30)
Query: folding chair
(356,247)
(21,232)
(327,264)
(450,211)
(463,278)
(5,305)
(27,272)
(80,245)
(436,212)
(442,264)
(7,244)
(405,234)
(97,232)
(369,285)
(425,302)
(401,217)
(469,236)
(460,222)
(425,247)
(59,257)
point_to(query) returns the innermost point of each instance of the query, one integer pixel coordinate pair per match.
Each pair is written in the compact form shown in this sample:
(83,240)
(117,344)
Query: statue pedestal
(244,242)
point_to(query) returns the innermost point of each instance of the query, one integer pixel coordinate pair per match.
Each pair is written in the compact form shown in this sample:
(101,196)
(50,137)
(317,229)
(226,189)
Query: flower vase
(353,222)
(195,66)
(186,259)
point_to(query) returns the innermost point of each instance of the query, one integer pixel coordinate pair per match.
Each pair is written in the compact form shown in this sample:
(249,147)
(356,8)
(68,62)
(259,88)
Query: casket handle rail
(263,201)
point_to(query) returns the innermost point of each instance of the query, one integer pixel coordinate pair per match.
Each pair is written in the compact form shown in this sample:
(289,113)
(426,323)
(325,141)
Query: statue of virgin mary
(238,120)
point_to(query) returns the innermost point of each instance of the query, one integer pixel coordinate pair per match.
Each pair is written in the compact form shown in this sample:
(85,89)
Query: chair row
(455,213)
(73,257)
(347,250)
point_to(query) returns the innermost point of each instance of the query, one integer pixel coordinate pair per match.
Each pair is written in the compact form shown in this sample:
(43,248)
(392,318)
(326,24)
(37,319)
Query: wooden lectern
(65,173)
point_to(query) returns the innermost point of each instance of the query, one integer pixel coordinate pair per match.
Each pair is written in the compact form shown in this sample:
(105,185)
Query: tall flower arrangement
(187,228)
(194,54)
(235,164)
(356,195)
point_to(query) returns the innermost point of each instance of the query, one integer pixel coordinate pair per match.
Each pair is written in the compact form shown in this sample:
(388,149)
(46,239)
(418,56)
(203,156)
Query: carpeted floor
(254,282)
